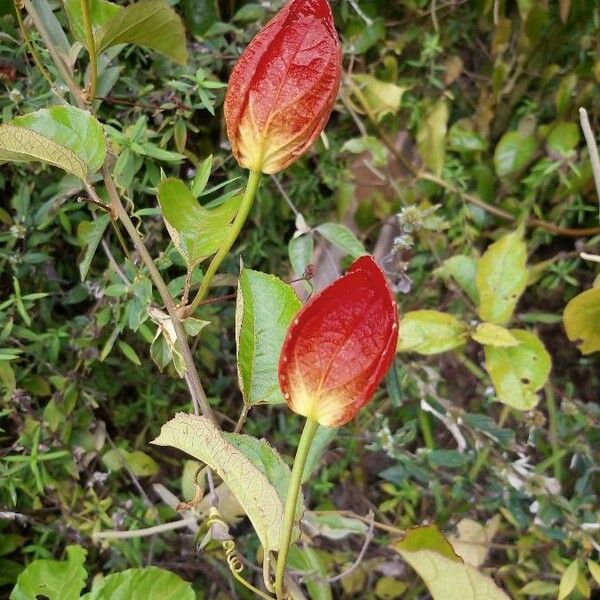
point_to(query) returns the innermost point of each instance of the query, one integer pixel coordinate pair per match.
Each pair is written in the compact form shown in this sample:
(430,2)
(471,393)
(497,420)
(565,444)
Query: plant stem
(291,501)
(91,48)
(483,457)
(236,226)
(553,431)
(193,380)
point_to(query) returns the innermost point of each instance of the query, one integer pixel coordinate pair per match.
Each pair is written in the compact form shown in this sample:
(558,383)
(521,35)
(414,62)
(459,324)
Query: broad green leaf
(462,269)
(264,310)
(73,128)
(140,463)
(333,526)
(197,232)
(462,139)
(101,11)
(594,569)
(563,138)
(300,251)
(489,334)
(431,137)
(444,574)
(430,332)
(199,438)
(55,579)
(381,97)
(582,320)
(149,583)
(389,588)
(23,145)
(513,153)
(341,237)
(149,23)
(90,234)
(501,278)
(200,15)
(519,372)
(568,580)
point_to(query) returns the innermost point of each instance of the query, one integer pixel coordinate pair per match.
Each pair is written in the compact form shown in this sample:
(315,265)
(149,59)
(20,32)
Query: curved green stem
(308,434)
(236,227)
(91,48)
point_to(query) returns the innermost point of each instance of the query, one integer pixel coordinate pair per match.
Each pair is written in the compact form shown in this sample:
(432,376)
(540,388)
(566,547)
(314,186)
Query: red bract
(340,346)
(283,87)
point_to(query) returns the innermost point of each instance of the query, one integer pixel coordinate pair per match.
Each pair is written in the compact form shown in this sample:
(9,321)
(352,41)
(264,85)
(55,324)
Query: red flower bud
(340,346)
(283,87)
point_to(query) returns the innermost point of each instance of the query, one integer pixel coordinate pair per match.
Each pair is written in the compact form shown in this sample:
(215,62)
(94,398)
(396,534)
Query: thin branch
(592,148)
(147,531)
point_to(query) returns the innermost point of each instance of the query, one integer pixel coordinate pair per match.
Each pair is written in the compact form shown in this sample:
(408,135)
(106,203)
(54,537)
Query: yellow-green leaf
(431,137)
(462,269)
(568,580)
(489,334)
(594,569)
(199,438)
(582,320)
(501,278)
(519,372)
(140,463)
(430,332)
(444,574)
(381,97)
(513,152)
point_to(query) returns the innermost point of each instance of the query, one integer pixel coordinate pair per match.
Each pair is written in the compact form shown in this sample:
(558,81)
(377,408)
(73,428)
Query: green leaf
(333,526)
(489,334)
(501,278)
(198,437)
(462,269)
(381,97)
(539,588)
(52,26)
(75,129)
(200,15)
(563,138)
(197,232)
(101,11)
(368,143)
(149,583)
(462,139)
(58,580)
(341,237)
(431,137)
(140,463)
(519,372)
(582,320)
(568,580)
(322,439)
(307,560)
(264,311)
(202,176)
(149,23)
(23,145)
(90,235)
(300,251)
(129,353)
(444,574)
(513,153)
(430,332)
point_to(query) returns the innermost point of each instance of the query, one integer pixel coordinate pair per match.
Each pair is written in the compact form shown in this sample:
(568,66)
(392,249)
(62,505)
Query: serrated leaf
(501,278)
(582,320)
(462,269)
(264,310)
(90,234)
(341,237)
(430,332)
(444,574)
(54,579)
(431,137)
(568,580)
(197,232)
(72,128)
(381,97)
(513,153)
(149,23)
(489,334)
(519,372)
(300,250)
(198,437)
(149,583)
(23,145)
(101,11)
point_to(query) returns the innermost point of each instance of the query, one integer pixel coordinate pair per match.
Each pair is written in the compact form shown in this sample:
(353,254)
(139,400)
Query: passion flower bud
(283,87)
(340,346)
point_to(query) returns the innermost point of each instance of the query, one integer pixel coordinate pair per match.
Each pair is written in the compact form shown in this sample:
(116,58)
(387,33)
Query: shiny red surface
(283,87)
(340,346)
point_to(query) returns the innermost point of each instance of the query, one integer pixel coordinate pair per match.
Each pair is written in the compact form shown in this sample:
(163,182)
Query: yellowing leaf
(140,464)
(431,138)
(582,320)
(381,97)
(472,542)
(430,332)
(519,372)
(594,569)
(489,334)
(444,574)
(199,438)
(501,278)
(568,580)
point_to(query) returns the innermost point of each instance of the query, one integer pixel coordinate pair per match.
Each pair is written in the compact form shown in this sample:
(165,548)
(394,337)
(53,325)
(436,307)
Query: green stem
(483,456)
(308,433)
(91,48)
(236,226)
(553,433)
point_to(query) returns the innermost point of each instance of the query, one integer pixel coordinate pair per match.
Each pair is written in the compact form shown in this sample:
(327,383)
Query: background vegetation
(457,123)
